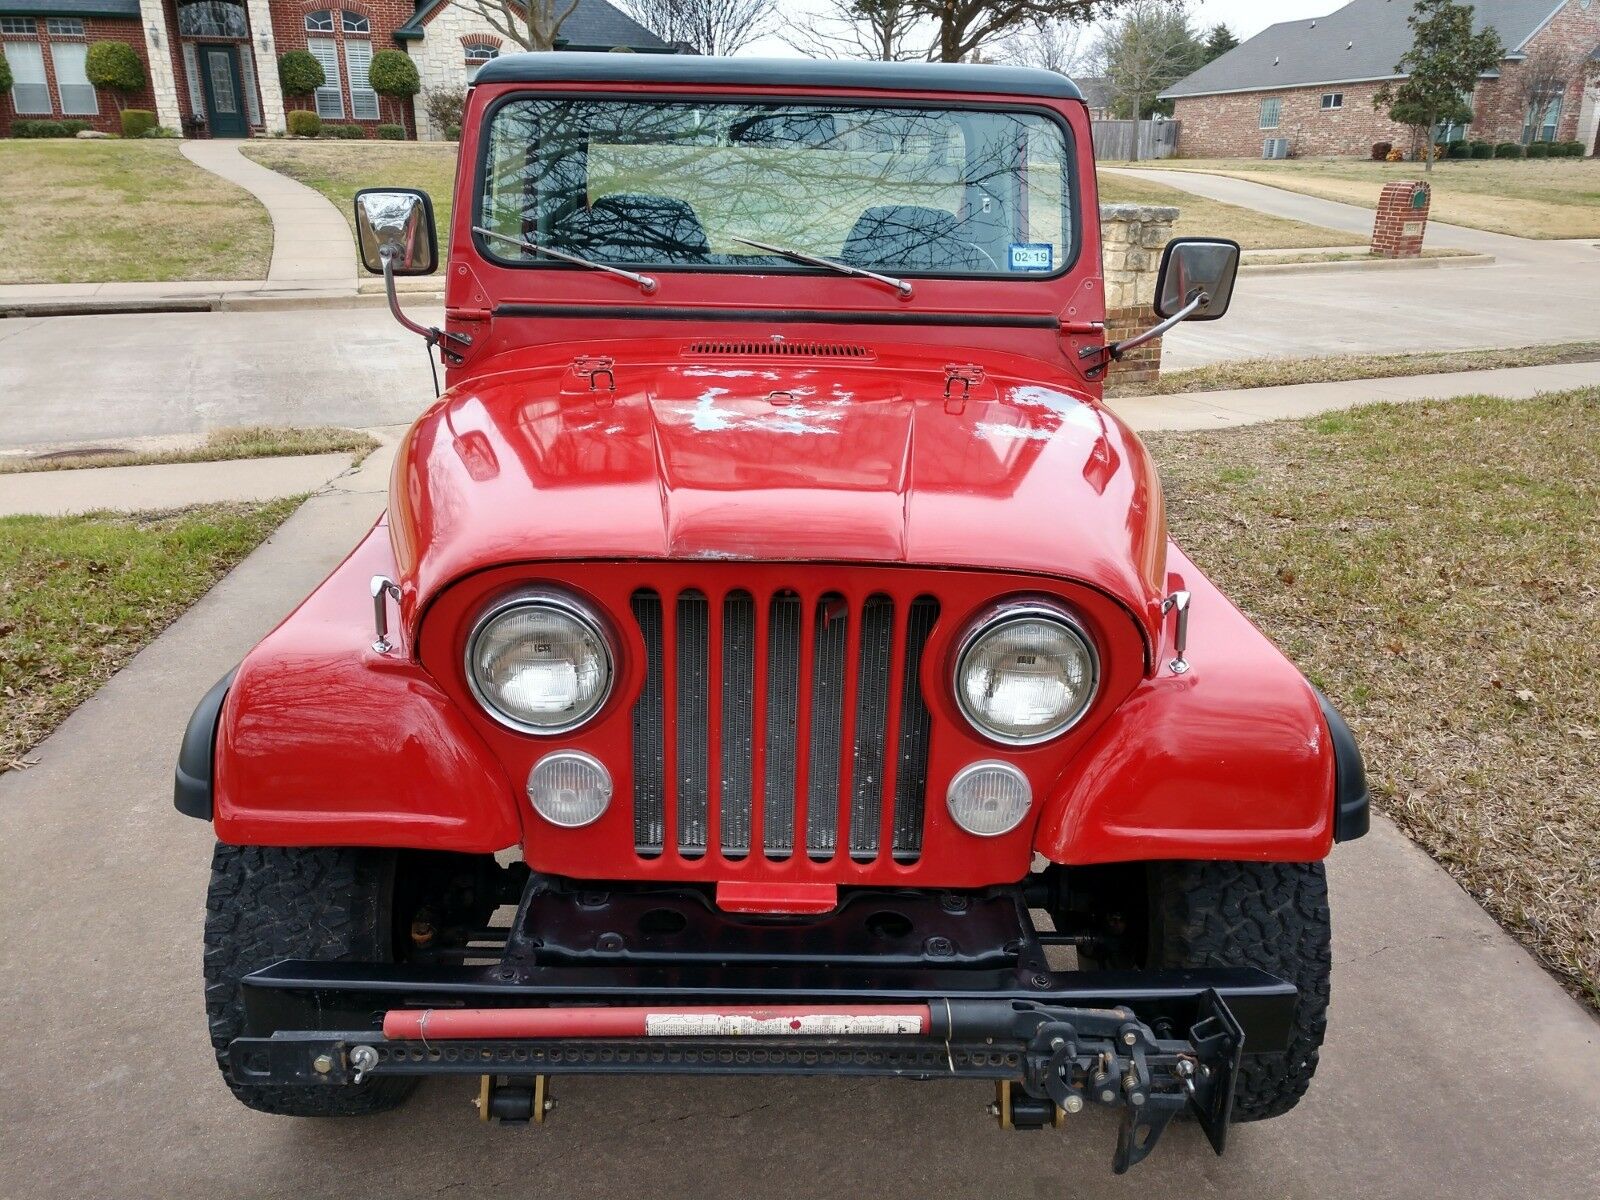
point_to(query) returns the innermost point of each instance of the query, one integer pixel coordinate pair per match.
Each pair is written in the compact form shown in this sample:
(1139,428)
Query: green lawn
(1433,567)
(114,211)
(339,169)
(243,441)
(1549,198)
(80,596)
(1210,218)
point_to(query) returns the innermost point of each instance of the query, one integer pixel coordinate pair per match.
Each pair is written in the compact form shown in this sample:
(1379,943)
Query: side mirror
(1191,267)
(394,227)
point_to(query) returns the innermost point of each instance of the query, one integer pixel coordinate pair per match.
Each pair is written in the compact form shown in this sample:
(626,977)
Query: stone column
(1131,238)
(158,45)
(266,51)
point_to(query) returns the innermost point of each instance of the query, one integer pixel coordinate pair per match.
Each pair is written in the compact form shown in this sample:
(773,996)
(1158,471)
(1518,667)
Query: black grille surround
(828,711)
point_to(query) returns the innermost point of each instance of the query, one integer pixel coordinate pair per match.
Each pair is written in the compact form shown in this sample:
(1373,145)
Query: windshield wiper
(646,283)
(899,285)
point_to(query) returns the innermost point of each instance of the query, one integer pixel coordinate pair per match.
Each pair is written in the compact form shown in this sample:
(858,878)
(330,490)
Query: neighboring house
(1097,94)
(212,65)
(1312,81)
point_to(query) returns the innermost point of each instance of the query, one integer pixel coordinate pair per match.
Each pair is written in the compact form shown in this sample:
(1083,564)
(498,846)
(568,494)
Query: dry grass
(115,212)
(1550,198)
(80,596)
(1278,372)
(1210,218)
(1434,568)
(339,169)
(243,441)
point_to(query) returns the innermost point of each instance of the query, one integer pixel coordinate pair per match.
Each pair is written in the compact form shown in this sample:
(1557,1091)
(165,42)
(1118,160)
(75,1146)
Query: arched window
(320,21)
(355,23)
(477,55)
(213,18)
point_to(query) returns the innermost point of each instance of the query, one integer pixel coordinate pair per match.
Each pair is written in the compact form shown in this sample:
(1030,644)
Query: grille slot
(745,349)
(840,692)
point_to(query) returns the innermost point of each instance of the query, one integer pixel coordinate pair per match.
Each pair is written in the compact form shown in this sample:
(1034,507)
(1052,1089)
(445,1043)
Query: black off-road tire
(266,904)
(1268,915)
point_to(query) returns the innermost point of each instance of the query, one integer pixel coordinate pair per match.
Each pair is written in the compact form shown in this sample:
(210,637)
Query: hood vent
(778,349)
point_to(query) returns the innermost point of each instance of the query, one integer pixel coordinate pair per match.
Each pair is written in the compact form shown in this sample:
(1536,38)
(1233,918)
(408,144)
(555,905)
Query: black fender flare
(1351,805)
(191,784)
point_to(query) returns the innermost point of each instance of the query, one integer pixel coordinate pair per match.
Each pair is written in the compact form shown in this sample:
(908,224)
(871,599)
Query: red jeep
(772,659)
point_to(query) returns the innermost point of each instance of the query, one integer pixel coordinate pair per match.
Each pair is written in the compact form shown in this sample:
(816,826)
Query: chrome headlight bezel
(568,606)
(1010,612)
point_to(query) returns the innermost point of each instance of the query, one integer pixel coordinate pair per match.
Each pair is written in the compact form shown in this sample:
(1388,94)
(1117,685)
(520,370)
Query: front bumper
(579,989)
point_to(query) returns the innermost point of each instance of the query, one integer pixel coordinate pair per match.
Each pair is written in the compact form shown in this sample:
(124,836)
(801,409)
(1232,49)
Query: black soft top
(760,74)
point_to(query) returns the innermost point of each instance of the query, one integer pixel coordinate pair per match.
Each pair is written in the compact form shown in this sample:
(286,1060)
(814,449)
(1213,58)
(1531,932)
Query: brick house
(1312,81)
(211,65)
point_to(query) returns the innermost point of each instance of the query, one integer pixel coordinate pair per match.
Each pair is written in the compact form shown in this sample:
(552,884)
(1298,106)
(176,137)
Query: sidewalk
(166,485)
(1247,406)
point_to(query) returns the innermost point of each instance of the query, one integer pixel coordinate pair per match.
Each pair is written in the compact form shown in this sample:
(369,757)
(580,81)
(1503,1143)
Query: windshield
(678,184)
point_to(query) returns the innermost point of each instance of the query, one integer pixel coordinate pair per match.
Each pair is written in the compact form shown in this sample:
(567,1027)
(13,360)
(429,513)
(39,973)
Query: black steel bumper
(1150,1043)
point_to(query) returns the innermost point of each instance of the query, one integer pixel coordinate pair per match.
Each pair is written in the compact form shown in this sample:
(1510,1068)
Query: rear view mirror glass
(1196,266)
(396,223)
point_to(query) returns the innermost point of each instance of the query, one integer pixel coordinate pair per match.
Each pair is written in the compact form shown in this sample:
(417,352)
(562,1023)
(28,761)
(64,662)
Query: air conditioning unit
(1275,148)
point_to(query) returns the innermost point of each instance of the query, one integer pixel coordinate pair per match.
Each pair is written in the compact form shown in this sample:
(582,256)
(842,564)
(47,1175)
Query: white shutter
(247,65)
(330,96)
(72,79)
(30,95)
(191,73)
(363,100)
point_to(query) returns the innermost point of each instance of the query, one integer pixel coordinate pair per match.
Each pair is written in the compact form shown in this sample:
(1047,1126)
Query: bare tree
(709,26)
(963,28)
(531,24)
(1542,79)
(1143,51)
(887,30)
(1050,44)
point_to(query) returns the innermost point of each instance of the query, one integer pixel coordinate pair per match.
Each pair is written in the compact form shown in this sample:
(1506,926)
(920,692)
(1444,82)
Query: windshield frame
(1074,207)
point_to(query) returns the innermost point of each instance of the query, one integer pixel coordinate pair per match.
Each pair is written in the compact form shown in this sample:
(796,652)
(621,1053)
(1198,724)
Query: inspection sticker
(1032,256)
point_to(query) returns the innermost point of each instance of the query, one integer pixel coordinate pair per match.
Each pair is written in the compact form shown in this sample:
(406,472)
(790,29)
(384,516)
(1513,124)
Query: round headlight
(539,663)
(989,798)
(1025,675)
(569,788)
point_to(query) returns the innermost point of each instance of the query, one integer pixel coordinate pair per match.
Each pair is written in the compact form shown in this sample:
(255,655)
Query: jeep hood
(777,461)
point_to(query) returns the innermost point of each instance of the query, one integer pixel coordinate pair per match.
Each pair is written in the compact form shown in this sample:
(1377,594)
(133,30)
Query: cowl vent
(770,349)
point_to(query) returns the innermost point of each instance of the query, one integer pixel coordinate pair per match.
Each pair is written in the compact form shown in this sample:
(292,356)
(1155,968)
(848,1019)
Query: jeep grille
(797,735)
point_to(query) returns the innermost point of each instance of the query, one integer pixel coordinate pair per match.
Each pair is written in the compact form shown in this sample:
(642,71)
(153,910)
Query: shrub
(116,67)
(1380,151)
(444,110)
(304,124)
(1508,150)
(392,133)
(392,73)
(74,128)
(5,73)
(1572,149)
(160,131)
(345,132)
(1459,150)
(299,73)
(1538,150)
(136,121)
(1395,155)
(1482,149)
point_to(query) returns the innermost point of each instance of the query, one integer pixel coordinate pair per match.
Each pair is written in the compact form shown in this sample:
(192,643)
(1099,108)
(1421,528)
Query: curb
(1361,264)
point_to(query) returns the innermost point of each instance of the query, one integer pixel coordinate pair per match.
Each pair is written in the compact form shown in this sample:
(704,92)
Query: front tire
(1268,915)
(266,904)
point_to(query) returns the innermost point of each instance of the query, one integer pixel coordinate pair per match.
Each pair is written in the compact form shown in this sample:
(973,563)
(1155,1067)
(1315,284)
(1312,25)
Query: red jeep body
(786,497)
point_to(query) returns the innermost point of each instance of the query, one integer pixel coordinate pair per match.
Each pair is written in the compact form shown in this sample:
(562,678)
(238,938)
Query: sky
(1245,17)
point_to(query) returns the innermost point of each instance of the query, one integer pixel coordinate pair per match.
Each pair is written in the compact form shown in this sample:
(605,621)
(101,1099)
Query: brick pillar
(1402,220)
(1131,239)
(158,43)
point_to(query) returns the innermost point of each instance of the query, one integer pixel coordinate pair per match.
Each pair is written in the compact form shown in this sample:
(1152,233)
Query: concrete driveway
(1454,1065)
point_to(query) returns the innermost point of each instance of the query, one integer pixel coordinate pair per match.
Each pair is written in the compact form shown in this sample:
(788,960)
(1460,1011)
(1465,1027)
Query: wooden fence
(1114,140)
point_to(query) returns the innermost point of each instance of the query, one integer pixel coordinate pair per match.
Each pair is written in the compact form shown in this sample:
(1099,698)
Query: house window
(1545,130)
(1332,101)
(330,97)
(64,27)
(17,26)
(213,18)
(357,60)
(1270,109)
(355,23)
(72,80)
(320,21)
(29,93)
(477,56)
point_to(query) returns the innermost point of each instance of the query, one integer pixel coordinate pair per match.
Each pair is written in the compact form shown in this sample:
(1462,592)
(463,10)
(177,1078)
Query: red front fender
(1231,759)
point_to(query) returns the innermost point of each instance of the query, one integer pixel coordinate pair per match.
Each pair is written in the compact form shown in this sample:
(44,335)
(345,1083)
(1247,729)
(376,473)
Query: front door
(219,69)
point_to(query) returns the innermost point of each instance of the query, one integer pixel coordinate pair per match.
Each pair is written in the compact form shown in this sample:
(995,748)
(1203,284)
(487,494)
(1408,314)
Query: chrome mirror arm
(1116,350)
(429,333)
